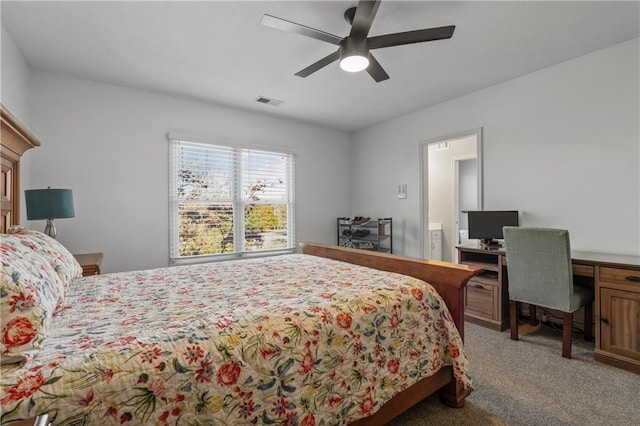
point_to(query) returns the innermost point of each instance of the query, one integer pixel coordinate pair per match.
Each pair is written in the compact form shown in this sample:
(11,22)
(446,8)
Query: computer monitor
(486,225)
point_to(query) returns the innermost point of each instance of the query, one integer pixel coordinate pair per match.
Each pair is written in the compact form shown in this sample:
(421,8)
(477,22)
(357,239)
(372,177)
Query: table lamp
(49,204)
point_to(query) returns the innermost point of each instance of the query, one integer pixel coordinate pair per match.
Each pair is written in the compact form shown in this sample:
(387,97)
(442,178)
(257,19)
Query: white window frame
(238,203)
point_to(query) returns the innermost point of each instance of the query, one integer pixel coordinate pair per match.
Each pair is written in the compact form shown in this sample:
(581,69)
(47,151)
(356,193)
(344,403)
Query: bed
(329,336)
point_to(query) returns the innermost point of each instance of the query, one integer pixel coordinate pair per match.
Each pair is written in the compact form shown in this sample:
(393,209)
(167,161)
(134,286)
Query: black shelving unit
(372,234)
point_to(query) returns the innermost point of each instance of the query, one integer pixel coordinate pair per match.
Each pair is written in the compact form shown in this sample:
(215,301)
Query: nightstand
(90,263)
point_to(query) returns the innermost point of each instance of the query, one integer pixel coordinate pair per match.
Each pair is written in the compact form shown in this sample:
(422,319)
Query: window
(229,200)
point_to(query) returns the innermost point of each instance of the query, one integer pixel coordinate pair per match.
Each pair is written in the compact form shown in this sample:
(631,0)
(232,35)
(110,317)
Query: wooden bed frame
(448,279)
(16,139)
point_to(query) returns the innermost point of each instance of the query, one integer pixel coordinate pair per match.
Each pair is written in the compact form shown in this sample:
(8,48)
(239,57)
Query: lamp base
(50,229)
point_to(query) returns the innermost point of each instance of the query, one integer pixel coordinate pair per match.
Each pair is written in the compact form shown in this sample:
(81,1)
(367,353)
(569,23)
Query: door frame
(424,175)
(455,234)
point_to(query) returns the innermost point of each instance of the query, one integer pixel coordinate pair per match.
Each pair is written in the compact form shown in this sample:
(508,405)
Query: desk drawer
(620,276)
(583,270)
(482,298)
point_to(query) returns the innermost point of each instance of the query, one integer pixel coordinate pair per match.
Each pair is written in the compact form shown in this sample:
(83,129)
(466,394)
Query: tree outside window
(230,200)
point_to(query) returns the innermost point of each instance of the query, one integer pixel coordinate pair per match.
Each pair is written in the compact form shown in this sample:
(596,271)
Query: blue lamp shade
(49,203)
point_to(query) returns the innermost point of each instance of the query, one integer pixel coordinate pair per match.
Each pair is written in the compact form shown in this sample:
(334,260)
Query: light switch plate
(402,191)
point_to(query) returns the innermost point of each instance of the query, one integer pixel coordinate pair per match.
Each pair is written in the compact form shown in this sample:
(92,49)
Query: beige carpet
(528,383)
(432,412)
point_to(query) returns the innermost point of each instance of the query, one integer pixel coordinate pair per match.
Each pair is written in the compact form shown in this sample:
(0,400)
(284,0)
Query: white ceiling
(218,52)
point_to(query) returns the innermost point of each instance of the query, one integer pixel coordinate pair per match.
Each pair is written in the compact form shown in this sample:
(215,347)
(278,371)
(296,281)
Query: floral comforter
(295,340)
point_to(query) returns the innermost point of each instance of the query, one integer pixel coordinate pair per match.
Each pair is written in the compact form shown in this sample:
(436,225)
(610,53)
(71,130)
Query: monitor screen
(487,225)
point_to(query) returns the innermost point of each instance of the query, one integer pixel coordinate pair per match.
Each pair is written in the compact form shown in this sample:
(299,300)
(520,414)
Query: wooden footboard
(449,279)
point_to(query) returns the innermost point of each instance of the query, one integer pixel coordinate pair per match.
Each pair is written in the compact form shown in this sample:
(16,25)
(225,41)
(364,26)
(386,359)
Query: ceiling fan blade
(292,27)
(319,64)
(365,12)
(409,37)
(376,71)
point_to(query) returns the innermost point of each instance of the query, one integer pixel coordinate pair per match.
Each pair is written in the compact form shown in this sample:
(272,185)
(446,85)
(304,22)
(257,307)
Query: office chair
(540,274)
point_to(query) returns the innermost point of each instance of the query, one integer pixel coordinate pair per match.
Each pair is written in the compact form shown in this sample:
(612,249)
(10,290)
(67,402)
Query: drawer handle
(633,278)
(478,286)
(604,320)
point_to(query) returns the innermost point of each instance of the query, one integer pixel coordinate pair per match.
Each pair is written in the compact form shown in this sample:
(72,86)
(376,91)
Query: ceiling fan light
(354,63)
(354,54)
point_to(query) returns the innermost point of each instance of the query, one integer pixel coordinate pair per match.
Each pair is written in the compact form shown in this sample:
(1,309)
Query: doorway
(451,180)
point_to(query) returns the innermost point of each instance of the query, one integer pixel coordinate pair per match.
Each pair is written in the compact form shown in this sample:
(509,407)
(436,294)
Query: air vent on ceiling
(269,101)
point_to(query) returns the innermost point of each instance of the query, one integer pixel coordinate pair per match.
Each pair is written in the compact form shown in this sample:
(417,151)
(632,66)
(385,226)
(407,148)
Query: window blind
(229,200)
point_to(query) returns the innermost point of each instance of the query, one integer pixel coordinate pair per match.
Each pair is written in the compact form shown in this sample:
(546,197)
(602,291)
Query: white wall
(561,145)
(15,73)
(108,144)
(14,96)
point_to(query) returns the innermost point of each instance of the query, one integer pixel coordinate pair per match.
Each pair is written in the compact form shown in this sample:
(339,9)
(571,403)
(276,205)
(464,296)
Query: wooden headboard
(16,139)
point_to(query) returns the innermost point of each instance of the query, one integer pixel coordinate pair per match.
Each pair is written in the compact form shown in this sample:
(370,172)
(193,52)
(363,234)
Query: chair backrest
(539,266)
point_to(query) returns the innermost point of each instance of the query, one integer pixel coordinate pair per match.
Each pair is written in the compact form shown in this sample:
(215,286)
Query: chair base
(567,324)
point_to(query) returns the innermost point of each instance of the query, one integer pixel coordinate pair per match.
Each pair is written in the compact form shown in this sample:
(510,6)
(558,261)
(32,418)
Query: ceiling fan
(354,50)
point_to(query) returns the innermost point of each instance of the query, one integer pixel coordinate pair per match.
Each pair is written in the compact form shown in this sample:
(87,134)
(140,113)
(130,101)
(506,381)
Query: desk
(616,279)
